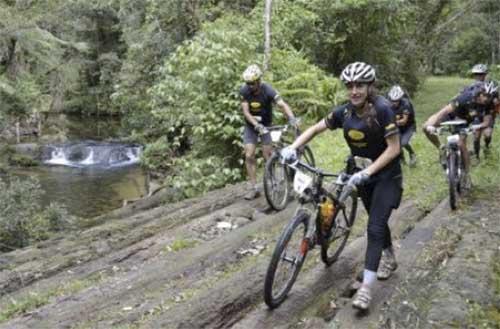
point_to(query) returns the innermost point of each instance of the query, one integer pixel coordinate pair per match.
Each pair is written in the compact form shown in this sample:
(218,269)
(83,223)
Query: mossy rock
(22,161)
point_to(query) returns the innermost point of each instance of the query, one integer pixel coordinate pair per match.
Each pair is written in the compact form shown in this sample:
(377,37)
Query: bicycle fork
(309,240)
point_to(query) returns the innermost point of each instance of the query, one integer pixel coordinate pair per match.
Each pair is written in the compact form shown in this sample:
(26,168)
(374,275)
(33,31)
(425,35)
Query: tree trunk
(18,132)
(267,34)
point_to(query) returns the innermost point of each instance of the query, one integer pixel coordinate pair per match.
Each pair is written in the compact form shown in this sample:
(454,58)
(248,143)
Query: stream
(88,175)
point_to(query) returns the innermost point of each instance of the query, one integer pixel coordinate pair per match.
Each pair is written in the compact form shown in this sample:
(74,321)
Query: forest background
(171,69)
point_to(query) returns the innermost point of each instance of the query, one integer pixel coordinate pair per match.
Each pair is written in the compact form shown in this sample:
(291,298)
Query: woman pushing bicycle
(370,132)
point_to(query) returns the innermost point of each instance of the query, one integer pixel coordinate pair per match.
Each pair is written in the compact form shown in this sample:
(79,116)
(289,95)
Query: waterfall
(92,154)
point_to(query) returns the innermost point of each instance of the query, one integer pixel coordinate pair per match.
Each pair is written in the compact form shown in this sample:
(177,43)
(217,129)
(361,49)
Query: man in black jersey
(257,99)
(370,131)
(470,105)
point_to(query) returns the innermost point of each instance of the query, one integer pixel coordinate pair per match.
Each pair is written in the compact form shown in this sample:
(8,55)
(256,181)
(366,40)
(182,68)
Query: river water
(88,190)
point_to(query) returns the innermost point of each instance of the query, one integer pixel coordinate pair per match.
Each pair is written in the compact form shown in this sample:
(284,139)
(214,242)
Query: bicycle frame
(320,219)
(454,165)
(314,195)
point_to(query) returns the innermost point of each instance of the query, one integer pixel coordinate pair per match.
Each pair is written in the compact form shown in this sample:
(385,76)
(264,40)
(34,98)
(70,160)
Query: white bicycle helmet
(479,69)
(396,93)
(491,87)
(252,73)
(358,72)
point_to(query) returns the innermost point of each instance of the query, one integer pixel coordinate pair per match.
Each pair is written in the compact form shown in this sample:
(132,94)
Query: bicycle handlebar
(316,171)
(346,192)
(283,128)
(467,130)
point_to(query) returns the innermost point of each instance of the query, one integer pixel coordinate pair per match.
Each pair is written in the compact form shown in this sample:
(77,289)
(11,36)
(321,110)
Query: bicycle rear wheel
(453,179)
(335,240)
(286,262)
(276,183)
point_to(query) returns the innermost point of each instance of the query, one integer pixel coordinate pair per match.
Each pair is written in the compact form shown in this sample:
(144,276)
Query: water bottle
(327,208)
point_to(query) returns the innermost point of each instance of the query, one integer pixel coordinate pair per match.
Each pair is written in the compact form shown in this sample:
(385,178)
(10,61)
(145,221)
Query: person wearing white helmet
(479,71)
(257,99)
(471,105)
(405,119)
(370,131)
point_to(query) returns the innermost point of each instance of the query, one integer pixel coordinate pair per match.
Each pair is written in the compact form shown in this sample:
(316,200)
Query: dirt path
(201,264)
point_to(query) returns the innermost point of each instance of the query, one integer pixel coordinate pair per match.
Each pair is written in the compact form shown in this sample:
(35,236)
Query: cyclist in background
(370,131)
(257,99)
(479,72)
(405,120)
(467,106)
(493,108)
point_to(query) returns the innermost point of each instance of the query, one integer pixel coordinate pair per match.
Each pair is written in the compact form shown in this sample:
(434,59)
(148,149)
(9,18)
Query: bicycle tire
(452,179)
(298,224)
(276,183)
(343,219)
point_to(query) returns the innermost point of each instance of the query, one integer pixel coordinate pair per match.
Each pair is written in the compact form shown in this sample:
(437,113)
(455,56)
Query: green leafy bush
(193,176)
(308,89)
(22,219)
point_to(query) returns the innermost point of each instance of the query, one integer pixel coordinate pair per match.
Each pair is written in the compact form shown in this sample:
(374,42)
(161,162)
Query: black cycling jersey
(404,107)
(260,104)
(364,139)
(466,109)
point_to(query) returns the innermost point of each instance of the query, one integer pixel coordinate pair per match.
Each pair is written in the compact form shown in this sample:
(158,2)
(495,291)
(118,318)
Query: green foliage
(152,31)
(471,37)
(180,244)
(31,302)
(305,87)
(345,33)
(157,156)
(469,48)
(22,220)
(194,176)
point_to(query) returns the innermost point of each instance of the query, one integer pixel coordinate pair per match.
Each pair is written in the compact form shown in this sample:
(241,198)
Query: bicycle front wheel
(307,156)
(286,262)
(334,240)
(276,183)
(453,179)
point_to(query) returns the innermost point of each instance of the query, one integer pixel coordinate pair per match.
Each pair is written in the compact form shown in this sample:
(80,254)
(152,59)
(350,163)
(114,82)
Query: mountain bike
(277,176)
(451,157)
(324,217)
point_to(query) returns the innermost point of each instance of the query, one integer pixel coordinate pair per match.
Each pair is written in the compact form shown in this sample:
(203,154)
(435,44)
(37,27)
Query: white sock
(369,277)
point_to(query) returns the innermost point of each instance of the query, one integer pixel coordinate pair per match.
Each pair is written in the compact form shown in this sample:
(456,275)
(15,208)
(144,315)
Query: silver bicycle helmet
(479,69)
(396,93)
(358,72)
(252,73)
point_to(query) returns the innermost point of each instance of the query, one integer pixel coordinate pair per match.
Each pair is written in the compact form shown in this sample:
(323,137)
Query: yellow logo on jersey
(255,105)
(356,134)
(360,145)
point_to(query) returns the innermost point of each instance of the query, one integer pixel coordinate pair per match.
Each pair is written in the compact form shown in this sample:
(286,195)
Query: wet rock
(224,225)
(240,221)
(448,309)
(28,149)
(314,323)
